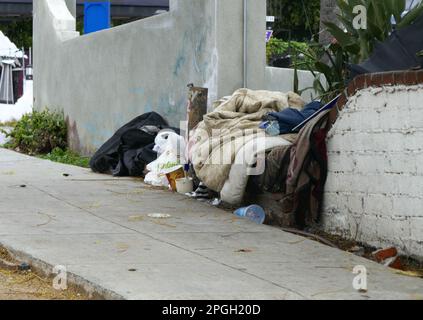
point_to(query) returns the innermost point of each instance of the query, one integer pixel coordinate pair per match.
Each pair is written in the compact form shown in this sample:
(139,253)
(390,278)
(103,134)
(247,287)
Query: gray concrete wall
(280,79)
(104,79)
(71,4)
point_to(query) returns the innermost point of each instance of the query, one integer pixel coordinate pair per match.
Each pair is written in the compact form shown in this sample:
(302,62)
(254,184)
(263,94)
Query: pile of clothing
(298,172)
(232,148)
(227,143)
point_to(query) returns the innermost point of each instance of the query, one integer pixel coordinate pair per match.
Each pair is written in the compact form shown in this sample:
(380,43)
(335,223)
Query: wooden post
(197,105)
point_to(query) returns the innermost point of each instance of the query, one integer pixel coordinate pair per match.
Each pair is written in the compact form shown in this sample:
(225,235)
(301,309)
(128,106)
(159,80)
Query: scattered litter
(383,254)
(22,186)
(174,176)
(254,213)
(184,185)
(159,216)
(394,263)
(66,174)
(389,258)
(244,251)
(122,247)
(132,270)
(24,267)
(135,218)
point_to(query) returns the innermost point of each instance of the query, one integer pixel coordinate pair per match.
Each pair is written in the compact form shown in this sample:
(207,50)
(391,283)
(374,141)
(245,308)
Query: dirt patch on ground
(28,285)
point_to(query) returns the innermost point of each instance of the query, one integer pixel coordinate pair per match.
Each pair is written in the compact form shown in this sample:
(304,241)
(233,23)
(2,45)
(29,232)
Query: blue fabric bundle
(289,118)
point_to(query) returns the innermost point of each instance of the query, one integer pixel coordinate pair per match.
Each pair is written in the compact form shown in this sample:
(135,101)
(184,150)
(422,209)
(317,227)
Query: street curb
(94,291)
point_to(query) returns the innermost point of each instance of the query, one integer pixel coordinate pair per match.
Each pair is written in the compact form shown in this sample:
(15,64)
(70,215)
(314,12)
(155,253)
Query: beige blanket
(235,122)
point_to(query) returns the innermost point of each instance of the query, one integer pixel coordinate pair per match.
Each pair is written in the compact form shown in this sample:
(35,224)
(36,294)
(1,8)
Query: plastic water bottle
(254,213)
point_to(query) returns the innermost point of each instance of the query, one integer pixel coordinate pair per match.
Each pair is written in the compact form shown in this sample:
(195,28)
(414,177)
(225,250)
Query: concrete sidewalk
(99,228)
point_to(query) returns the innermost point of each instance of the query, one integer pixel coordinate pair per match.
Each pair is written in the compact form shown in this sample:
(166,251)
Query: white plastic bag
(171,149)
(161,141)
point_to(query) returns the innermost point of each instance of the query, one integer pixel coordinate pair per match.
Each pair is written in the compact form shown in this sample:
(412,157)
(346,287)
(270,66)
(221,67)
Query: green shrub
(335,72)
(38,133)
(67,157)
(277,47)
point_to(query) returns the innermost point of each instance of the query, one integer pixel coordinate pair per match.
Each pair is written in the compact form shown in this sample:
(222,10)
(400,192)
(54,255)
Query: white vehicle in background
(12,61)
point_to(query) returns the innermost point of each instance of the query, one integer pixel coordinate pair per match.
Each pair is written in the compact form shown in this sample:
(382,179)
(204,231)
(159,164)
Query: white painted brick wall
(374,192)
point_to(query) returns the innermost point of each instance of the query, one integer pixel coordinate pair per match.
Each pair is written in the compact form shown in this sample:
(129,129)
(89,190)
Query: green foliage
(352,45)
(80,25)
(19,32)
(38,132)
(277,47)
(360,43)
(335,71)
(301,18)
(67,157)
(44,134)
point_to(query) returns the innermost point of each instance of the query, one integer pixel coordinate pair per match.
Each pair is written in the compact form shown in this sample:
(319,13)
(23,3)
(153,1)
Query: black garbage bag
(398,52)
(131,147)
(281,61)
